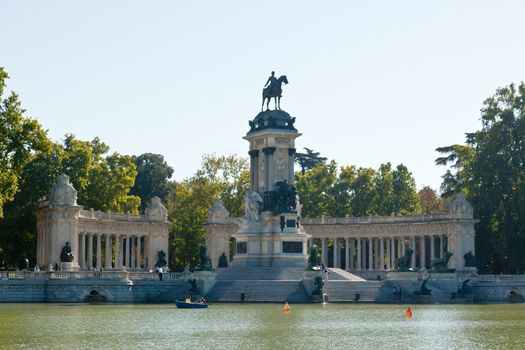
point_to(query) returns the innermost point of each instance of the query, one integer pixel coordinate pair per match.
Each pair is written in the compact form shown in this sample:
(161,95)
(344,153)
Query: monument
(270,233)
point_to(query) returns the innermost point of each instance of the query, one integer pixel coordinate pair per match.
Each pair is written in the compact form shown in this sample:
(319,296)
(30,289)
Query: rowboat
(185,305)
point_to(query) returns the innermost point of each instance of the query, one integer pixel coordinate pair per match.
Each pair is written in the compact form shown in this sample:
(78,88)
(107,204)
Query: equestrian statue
(272,89)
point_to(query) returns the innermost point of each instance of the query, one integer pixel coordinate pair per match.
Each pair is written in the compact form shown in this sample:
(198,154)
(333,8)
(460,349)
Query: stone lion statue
(440,264)
(312,259)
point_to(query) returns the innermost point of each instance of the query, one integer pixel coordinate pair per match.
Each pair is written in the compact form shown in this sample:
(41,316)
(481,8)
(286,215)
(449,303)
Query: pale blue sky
(370,81)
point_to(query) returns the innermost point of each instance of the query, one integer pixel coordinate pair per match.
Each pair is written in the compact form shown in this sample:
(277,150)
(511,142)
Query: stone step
(342,275)
(261,273)
(258,290)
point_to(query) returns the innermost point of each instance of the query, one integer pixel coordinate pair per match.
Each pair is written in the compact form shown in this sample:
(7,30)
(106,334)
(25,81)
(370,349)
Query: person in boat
(188,299)
(202,301)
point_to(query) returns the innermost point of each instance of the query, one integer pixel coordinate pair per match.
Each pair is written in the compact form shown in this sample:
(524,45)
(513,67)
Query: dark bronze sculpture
(403,262)
(273,91)
(423,289)
(223,260)
(66,255)
(286,195)
(313,259)
(465,289)
(23,262)
(319,286)
(205,261)
(161,262)
(470,259)
(440,264)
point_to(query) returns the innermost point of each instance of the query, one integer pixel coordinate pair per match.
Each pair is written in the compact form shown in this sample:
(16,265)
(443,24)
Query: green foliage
(325,190)
(20,139)
(308,160)
(225,177)
(152,178)
(490,169)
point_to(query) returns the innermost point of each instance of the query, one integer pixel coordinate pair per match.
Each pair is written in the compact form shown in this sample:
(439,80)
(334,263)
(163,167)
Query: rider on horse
(271,80)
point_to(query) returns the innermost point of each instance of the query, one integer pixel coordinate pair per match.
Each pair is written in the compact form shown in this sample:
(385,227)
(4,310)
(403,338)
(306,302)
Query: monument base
(68,266)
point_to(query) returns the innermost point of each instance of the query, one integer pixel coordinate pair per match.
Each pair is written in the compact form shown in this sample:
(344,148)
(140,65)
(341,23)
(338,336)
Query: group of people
(396,291)
(189,300)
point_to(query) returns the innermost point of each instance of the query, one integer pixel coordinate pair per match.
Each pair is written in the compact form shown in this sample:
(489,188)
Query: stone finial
(217,212)
(63,193)
(156,211)
(460,207)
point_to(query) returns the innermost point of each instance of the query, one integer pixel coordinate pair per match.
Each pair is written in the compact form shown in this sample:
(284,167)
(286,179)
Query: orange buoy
(287,307)
(408,313)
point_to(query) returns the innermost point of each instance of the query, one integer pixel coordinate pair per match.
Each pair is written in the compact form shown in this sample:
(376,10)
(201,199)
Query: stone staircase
(335,274)
(341,290)
(259,284)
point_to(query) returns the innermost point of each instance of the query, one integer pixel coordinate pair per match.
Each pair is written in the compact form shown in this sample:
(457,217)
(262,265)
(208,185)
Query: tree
(430,202)
(384,187)
(20,139)
(406,200)
(225,177)
(152,178)
(490,169)
(363,202)
(316,189)
(308,160)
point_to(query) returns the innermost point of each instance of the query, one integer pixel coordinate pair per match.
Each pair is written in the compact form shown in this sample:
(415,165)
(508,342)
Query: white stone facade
(99,239)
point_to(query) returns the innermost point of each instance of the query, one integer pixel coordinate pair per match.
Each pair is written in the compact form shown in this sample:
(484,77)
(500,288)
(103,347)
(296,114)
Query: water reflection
(261,326)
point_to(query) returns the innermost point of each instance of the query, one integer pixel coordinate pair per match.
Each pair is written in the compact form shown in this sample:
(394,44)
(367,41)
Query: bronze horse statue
(275,91)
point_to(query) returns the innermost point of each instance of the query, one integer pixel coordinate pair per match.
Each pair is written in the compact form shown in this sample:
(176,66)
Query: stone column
(422,254)
(122,251)
(99,251)
(336,255)
(359,254)
(382,254)
(352,253)
(324,251)
(127,264)
(117,252)
(138,253)
(399,246)
(254,170)
(133,259)
(108,252)
(403,246)
(432,247)
(291,160)
(269,171)
(413,246)
(392,253)
(90,251)
(388,254)
(370,255)
(347,254)
(441,250)
(82,250)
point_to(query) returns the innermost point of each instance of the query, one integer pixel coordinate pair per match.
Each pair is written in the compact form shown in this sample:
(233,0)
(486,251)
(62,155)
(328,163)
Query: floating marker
(408,313)
(287,308)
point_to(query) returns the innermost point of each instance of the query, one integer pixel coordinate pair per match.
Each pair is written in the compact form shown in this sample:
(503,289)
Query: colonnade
(380,253)
(120,251)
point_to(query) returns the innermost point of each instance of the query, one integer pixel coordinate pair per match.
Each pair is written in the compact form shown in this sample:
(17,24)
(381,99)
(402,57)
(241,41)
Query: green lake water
(261,326)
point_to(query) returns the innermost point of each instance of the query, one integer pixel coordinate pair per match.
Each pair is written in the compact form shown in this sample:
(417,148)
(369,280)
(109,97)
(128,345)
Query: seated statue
(223,260)
(470,259)
(252,206)
(313,259)
(423,289)
(403,262)
(66,255)
(205,261)
(465,288)
(440,264)
(63,193)
(161,262)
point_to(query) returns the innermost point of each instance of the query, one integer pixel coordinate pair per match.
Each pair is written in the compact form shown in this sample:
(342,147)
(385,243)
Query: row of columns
(128,251)
(380,253)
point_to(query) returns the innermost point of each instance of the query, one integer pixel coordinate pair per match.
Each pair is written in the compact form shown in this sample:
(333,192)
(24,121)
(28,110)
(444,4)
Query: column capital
(291,151)
(269,150)
(254,153)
